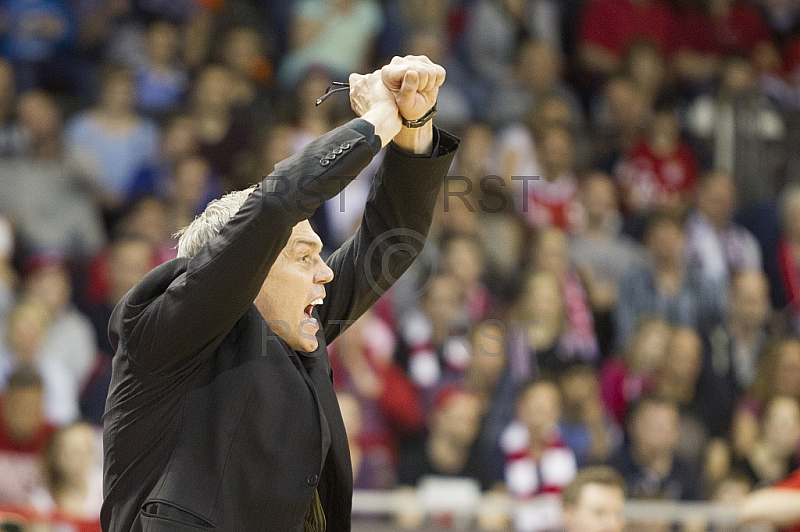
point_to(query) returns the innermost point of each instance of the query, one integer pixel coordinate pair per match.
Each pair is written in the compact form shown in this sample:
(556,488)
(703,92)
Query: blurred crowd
(612,276)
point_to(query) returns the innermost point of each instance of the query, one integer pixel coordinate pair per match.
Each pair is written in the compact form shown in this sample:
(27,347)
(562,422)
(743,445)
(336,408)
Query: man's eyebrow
(313,244)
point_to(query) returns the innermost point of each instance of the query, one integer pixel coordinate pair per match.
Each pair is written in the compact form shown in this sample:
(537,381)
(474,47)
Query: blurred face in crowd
(119,93)
(790,213)
(539,66)
(213,91)
(6,242)
(179,139)
(26,329)
(599,509)
(787,369)
(488,357)
(665,241)
(543,302)
(314,83)
(23,412)
(7,90)
(654,430)
(464,260)
(552,251)
(52,286)
(719,7)
(556,152)
(38,114)
(277,146)
(74,453)
(580,391)
(453,215)
(295,284)
(131,259)
(443,304)
(664,133)
(458,419)
(552,112)
(191,182)
(431,44)
(599,198)
(749,300)
(738,76)
(148,219)
(626,104)
(782,425)
(539,408)
(242,50)
(162,43)
(649,346)
(684,355)
(503,239)
(646,66)
(716,199)
(477,139)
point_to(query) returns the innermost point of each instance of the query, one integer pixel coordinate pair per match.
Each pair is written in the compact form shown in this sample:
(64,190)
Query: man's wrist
(386,120)
(415,140)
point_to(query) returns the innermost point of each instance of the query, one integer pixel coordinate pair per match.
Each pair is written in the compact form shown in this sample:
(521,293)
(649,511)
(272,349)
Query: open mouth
(307,312)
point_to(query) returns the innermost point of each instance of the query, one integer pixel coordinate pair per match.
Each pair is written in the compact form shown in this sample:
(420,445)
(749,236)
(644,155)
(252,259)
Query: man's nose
(324,274)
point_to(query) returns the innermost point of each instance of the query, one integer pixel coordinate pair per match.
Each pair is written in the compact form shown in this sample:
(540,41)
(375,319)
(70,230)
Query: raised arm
(400,205)
(164,327)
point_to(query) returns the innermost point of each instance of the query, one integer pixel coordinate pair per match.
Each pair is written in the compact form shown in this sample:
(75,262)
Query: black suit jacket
(212,422)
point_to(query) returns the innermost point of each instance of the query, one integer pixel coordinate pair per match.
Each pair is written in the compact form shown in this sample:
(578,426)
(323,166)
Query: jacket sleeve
(393,230)
(166,328)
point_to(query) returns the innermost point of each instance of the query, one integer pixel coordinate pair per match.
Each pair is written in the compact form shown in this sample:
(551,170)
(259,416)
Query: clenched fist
(414,80)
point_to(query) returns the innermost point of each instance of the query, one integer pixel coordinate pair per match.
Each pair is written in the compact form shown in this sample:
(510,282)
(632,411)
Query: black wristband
(421,121)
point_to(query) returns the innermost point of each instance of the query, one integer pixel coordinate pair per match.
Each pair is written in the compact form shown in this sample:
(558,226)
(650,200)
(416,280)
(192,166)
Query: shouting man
(221,413)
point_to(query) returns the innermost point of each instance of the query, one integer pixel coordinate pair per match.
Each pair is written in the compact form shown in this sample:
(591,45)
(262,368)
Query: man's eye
(305,258)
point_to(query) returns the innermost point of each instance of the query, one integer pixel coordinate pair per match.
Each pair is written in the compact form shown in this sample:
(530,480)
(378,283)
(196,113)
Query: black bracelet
(421,121)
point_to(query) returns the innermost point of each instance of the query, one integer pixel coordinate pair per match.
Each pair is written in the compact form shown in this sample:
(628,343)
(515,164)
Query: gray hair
(210,222)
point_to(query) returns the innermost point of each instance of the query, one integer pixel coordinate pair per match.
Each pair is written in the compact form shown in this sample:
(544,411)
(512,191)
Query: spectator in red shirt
(23,427)
(660,170)
(609,27)
(703,36)
(623,380)
(550,199)
(24,432)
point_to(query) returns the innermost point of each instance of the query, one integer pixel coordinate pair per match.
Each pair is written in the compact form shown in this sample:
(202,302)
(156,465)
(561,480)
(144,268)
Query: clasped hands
(407,87)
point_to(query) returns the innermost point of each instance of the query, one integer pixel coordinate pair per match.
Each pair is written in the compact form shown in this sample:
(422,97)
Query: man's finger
(432,77)
(392,76)
(422,74)
(440,75)
(408,90)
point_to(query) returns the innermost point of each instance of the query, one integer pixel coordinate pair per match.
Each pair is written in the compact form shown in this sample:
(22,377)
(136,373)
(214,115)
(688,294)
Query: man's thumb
(408,89)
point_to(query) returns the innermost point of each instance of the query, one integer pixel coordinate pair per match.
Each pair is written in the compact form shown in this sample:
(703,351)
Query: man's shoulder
(149,288)
(157,280)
